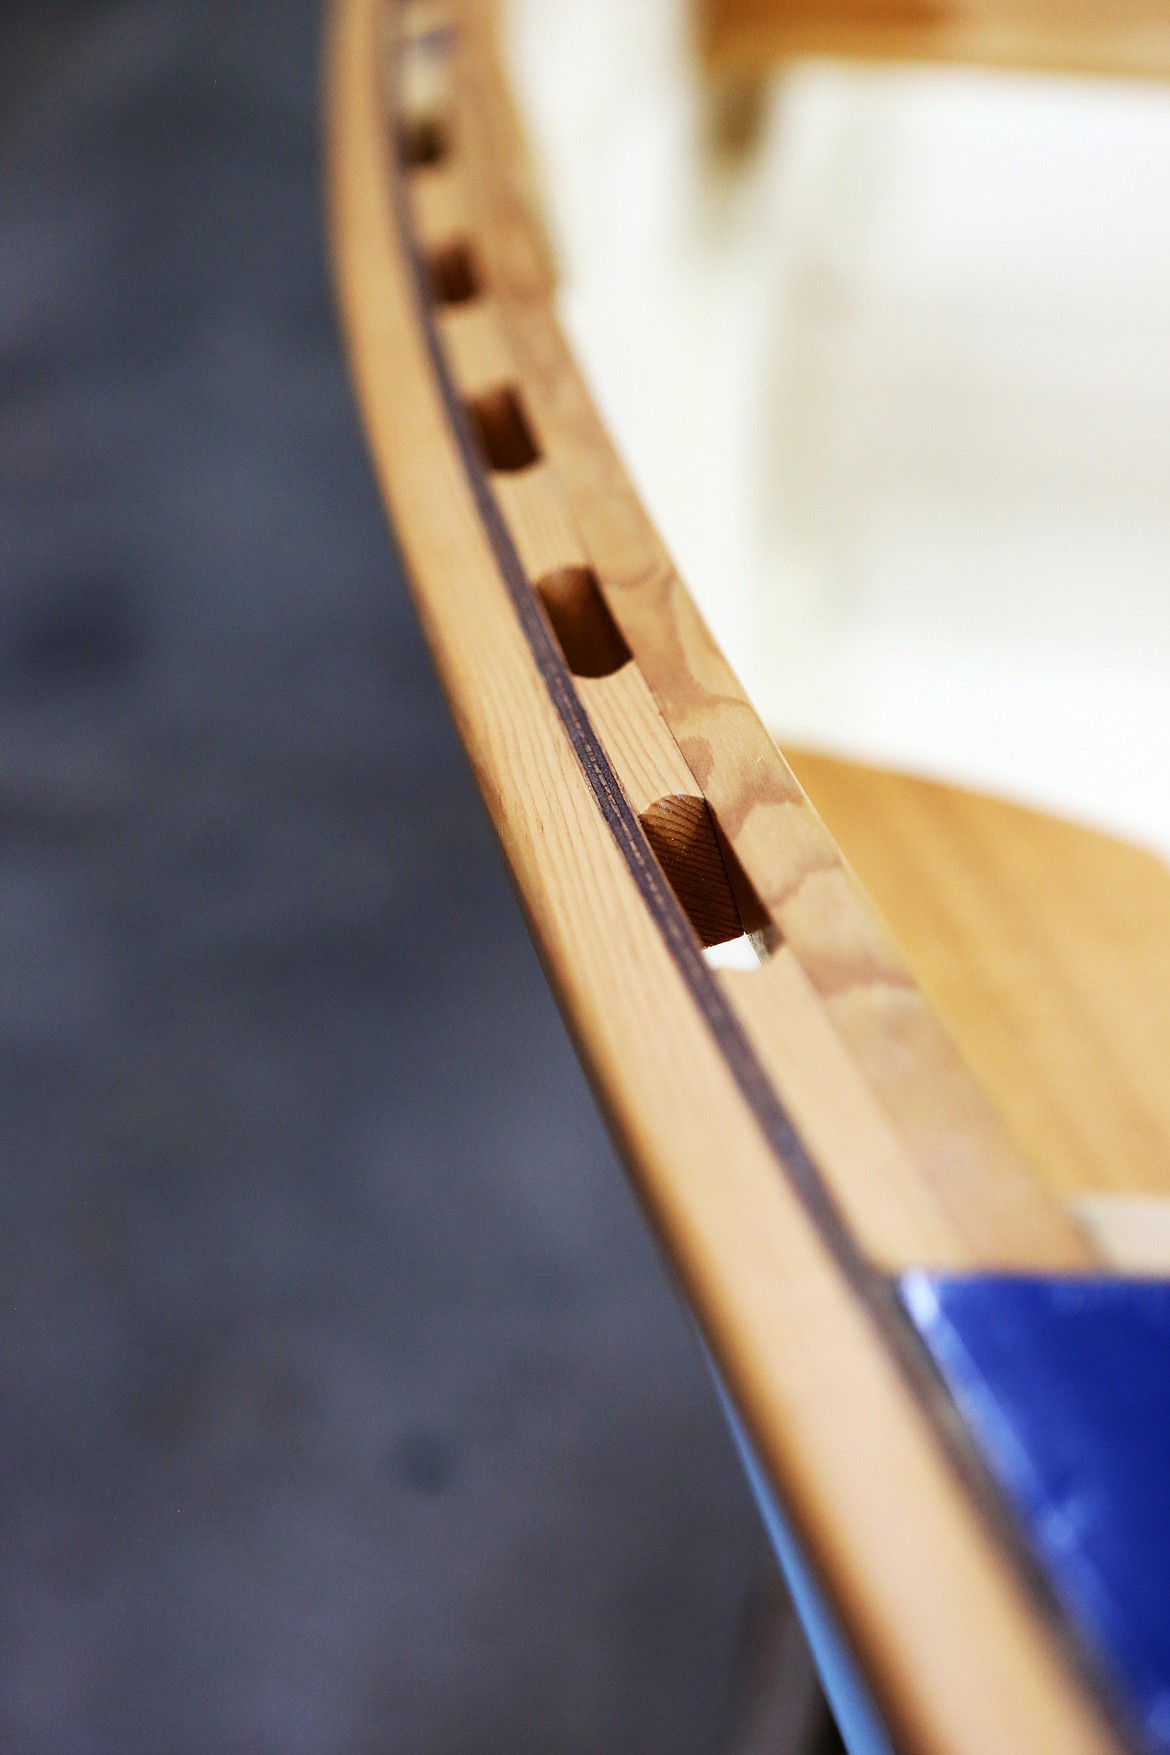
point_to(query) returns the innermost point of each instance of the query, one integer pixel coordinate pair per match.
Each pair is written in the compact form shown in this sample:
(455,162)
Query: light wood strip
(872,1176)
(439,207)
(963,1154)
(1129,37)
(476,346)
(648,761)
(957,1655)
(958,1141)
(544,532)
(501,185)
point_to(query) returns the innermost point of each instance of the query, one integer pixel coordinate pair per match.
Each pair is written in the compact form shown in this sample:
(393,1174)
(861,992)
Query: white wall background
(896,389)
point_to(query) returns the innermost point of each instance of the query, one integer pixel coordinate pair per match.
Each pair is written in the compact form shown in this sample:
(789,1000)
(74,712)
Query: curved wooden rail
(1045,947)
(802,1130)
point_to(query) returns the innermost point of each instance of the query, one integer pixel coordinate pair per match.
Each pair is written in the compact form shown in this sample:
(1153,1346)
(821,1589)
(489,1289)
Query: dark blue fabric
(1066,1387)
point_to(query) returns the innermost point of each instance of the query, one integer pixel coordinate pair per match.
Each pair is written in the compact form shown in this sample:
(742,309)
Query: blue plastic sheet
(1065,1387)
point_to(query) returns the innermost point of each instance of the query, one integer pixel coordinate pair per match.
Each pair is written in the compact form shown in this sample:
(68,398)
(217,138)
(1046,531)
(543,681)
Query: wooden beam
(743,1122)
(1129,37)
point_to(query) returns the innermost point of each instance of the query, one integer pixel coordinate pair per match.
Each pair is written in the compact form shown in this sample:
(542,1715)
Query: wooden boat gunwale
(1007,1672)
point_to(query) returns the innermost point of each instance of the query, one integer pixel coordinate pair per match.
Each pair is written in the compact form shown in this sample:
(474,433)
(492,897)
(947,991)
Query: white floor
(896,389)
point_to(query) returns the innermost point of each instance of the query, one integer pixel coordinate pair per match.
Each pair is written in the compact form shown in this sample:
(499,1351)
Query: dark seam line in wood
(876,1292)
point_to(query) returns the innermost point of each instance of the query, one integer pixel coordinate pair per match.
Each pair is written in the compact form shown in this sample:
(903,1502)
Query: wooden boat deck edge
(952,1640)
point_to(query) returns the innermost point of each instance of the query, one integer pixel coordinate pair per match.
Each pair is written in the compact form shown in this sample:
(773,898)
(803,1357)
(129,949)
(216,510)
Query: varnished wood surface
(776,1237)
(986,1206)
(982,1201)
(1044,946)
(1130,37)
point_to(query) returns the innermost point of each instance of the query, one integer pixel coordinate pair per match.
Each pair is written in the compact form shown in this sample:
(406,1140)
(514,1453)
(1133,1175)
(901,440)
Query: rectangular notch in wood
(588,636)
(454,277)
(709,883)
(500,424)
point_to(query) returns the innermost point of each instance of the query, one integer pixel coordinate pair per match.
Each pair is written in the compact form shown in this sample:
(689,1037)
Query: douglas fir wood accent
(799,1130)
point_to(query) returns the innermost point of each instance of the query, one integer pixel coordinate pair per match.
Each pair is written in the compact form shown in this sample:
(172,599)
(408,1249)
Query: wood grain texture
(961,1149)
(865,1161)
(648,761)
(1130,37)
(498,169)
(1046,949)
(682,834)
(963,1152)
(958,1654)
(590,640)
